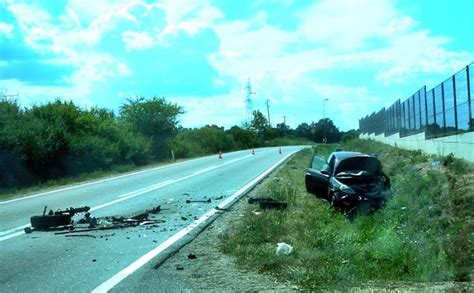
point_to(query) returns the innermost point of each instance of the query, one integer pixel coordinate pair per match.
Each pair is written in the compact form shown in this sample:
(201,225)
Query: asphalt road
(99,260)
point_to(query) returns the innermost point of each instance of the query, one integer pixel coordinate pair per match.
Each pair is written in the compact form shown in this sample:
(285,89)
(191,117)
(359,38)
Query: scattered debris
(61,219)
(155,211)
(82,235)
(256,212)
(268,203)
(184,218)
(283,248)
(192,256)
(203,201)
(219,197)
(223,209)
(179,267)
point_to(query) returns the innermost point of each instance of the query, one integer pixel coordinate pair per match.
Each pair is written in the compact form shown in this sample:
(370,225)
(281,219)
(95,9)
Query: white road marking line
(130,195)
(149,188)
(120,276)
(99,181)
(12,235)
(204,170)
(16,229)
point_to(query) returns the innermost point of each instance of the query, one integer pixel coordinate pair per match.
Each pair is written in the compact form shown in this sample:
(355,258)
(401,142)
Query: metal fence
(446,109)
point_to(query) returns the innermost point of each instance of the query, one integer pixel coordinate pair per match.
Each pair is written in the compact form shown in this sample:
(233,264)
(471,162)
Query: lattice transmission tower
(248,101)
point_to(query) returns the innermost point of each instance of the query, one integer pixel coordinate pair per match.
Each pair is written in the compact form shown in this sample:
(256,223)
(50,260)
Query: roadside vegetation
(425,233)
(59,142)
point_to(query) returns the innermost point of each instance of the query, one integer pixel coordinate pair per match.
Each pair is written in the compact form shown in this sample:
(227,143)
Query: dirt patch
(202,265)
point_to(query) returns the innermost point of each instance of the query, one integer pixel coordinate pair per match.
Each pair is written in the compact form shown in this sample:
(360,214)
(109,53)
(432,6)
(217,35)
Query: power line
(9,96)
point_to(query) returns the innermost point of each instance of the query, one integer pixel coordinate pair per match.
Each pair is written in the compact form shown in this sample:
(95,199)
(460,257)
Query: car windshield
(368,165)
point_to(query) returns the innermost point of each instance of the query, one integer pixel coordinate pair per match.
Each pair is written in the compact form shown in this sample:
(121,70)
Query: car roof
(341,155)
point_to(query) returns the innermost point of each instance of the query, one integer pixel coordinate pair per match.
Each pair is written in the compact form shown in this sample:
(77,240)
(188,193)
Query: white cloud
(345,25)
(329,34)
(333,34)
(6,30)
(137,40)
(178,17)
(223,110)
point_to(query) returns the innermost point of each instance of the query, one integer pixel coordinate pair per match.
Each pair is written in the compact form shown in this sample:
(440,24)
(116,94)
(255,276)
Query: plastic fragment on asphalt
(199,201)
(81,235)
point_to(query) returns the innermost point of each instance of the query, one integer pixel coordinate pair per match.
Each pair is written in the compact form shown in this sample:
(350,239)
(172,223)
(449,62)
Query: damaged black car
(352,182)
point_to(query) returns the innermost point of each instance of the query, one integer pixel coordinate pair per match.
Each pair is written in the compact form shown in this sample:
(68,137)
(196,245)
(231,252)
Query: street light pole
(324,117)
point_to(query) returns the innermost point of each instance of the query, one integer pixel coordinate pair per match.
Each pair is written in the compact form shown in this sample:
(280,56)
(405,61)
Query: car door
(317,181)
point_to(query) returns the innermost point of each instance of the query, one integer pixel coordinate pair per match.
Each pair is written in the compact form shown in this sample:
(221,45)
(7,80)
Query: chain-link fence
(446,109)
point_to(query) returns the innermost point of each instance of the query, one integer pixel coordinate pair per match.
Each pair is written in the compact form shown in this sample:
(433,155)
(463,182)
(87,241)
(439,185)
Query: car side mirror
(325,169)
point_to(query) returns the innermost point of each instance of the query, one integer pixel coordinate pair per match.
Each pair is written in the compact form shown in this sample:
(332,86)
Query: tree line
(60,139)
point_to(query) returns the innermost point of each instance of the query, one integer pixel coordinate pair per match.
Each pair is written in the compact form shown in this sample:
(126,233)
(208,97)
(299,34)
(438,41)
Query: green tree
(13,171)
(259,124)
(201,141)
(243,138)
(155,118)
(316,131)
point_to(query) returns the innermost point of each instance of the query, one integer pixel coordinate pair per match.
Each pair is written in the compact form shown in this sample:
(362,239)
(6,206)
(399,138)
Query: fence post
(455,103)
(469,97)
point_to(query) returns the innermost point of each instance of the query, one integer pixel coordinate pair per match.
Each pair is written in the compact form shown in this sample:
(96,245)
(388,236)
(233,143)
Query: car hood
(364,183)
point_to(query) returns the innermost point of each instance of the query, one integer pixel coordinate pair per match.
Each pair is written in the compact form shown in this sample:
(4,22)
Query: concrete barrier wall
(461,145)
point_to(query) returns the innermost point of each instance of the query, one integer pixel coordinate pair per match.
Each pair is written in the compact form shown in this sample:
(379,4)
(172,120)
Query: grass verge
(424,233)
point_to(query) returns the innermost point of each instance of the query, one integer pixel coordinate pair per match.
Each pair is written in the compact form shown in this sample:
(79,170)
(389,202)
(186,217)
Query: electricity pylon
(248,101)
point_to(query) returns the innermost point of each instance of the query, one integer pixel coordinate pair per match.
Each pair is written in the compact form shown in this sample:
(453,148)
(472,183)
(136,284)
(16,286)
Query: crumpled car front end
(361,191)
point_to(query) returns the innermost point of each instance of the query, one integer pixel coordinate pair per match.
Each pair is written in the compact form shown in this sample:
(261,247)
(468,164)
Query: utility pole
(268,112)
(325,139)
(284,125)
(248,101)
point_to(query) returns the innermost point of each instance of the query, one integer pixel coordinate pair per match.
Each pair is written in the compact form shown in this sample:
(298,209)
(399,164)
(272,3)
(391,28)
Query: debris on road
(268,203)
(61,219)
(283,248)
(202,201)
(81,235)
(223,209)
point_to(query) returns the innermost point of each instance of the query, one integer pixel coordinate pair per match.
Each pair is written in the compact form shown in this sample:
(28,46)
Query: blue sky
(361,55)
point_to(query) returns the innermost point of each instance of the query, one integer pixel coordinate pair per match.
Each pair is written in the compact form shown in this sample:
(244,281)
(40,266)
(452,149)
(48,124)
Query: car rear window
(368,164)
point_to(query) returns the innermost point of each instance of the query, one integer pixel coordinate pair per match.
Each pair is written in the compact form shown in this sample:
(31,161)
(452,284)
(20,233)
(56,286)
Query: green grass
(424,234)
